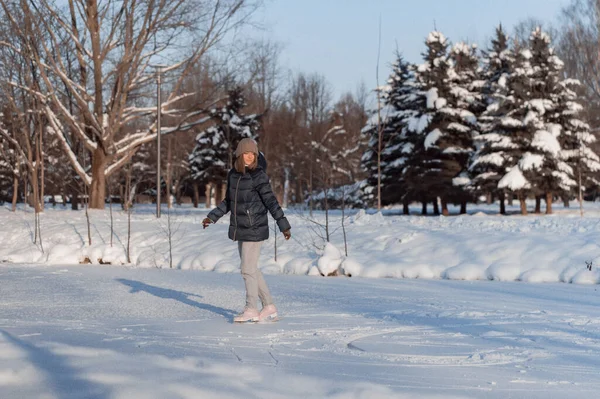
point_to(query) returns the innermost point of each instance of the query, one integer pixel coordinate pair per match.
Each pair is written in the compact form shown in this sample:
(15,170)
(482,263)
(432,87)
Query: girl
(249,196)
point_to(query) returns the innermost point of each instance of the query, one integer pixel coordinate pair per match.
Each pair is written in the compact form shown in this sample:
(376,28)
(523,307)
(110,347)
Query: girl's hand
(287,234)
(206,222)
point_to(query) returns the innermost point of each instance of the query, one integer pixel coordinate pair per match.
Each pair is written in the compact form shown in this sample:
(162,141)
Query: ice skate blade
(245,321)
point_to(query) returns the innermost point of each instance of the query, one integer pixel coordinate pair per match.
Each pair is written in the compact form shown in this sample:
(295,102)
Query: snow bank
(479,246)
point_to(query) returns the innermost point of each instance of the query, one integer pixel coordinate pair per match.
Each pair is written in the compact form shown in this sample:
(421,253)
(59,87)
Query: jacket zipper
(235,207)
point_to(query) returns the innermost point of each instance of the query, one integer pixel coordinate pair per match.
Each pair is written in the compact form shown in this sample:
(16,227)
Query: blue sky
(338,38)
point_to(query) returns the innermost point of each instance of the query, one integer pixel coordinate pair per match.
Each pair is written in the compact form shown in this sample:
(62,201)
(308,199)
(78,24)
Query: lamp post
(158,134)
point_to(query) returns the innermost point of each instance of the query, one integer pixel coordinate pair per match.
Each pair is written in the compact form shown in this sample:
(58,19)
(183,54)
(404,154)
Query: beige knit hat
(246,145)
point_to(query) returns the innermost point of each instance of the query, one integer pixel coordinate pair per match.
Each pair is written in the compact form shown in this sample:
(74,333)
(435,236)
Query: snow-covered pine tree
(464,105)
(515,130)
(405,102)
(400,101)
(507,133)
(142,179)
(491,159)
(442,131)
(376,122)
(576,139)
(213,155)
(8,172)
(529,137)
(543,164)
(425,174)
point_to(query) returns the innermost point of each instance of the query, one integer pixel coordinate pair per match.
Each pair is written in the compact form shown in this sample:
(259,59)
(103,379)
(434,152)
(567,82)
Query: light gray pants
(253,278)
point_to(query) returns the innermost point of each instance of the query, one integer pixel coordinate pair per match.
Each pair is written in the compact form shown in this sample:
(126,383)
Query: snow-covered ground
(467,315)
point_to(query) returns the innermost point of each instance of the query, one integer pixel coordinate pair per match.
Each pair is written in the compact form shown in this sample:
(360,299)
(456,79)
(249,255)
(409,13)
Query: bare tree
(522,31)
(23,121)
(310,101)
(10,165)
(115,44)
(577,46)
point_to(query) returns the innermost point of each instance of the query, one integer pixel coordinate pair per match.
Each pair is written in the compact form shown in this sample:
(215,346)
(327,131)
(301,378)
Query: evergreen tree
(465,104)
(492,158)
(213,154)
(370,134)
(527,145)
(576,138)
(425,173)
(549,173)
(142,173)
(7,169)
(403,102)
(511,132)
(442,130)
(379,122)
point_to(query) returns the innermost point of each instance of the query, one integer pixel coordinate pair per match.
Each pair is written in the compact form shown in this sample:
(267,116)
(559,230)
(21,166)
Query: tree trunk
(177,191)
(405,209)
(523,204)
(35,188)
(207,193)
(299,196)
(217,193)
(327,213)
(169,181)
(548,203)
(74,199)
(436,207)
(310,186)
(122,196)
(128,189)
(15,192)
(196,195)
(286,188)
(278,190)
(98,187)
(538,204)
(445,207)
(489,198)
(26,188)
(463,207)
(39,164)
(424,208)
(566,201)
(510,199)
(502,205)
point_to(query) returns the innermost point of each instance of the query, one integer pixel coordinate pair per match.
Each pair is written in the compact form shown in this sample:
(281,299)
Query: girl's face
(248,158)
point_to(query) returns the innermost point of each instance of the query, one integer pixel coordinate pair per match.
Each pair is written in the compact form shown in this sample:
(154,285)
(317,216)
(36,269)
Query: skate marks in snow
(134,333)
(407,345)
(50,370)
(518,348)
(426,347)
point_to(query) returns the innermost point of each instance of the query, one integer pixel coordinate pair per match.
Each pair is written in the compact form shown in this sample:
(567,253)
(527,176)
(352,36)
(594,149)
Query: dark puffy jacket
(249,196)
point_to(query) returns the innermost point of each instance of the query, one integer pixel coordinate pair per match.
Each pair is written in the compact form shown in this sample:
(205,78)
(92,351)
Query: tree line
(79,101)
(79,114)
(505,121)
